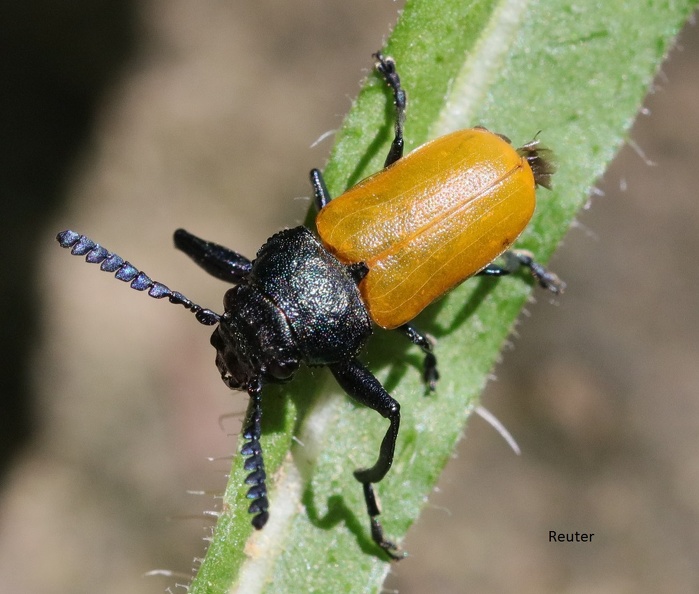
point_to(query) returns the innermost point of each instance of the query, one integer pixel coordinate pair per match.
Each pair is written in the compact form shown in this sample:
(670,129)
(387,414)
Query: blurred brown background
(126,121)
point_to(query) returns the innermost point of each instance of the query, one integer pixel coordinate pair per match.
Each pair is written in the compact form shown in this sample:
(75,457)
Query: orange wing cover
(430,220)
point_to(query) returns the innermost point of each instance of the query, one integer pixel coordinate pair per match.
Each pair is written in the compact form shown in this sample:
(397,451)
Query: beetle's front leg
(363,387)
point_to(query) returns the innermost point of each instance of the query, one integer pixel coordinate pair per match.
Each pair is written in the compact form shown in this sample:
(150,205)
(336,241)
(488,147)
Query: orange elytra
(431,220)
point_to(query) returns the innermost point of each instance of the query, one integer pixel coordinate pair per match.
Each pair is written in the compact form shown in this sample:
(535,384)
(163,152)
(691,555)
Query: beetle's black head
(253,340)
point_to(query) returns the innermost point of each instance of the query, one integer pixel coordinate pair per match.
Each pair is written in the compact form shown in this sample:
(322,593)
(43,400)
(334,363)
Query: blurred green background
(127,120)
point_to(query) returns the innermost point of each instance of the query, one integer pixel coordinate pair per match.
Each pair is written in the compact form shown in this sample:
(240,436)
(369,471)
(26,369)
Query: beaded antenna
(224,264)
(109,262)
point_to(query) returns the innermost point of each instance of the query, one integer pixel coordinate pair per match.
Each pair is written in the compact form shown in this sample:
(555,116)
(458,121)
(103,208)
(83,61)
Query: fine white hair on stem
(322,137)
(492,420)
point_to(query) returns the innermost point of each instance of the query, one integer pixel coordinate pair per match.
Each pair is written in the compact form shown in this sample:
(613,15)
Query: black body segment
(317,294)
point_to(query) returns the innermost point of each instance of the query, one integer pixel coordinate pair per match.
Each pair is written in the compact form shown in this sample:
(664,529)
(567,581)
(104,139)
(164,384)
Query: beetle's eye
(282,369)
(229,300)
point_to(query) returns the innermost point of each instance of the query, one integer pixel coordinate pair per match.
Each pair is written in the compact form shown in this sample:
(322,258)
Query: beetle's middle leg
(362,386)
(321,196)
(429,371)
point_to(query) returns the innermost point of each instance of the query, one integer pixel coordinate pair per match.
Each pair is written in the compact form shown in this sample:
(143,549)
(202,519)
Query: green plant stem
(575,70)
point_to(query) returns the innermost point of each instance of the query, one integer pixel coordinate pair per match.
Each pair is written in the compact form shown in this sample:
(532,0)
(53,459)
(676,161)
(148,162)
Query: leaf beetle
(385,249)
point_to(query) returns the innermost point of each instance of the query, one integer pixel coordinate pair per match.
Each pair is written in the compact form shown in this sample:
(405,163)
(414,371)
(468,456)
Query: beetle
(385,249)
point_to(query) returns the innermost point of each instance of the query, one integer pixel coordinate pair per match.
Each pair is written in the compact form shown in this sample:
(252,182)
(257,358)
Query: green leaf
(575,70)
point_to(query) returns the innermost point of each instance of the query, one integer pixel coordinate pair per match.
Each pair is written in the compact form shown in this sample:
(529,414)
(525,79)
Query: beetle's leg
(386,66)
(515,259)
(321,196)
(252,450)
(429,374)
(217,260)
(362,386)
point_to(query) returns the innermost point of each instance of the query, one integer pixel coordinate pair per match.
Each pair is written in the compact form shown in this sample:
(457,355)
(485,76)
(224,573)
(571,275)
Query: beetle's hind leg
(516,259)
(430,375)
(386,66)
(362,386)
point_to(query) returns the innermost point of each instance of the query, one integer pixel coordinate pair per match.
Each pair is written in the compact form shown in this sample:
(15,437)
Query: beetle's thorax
(299,303)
